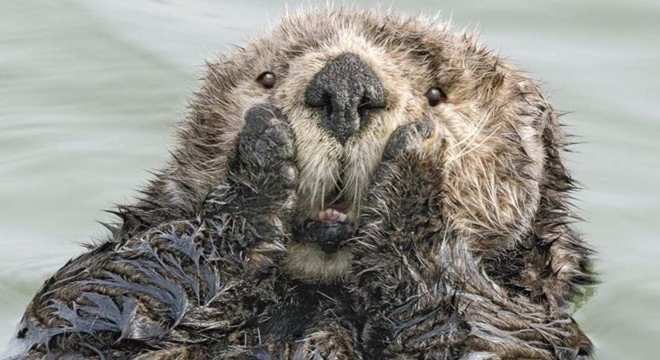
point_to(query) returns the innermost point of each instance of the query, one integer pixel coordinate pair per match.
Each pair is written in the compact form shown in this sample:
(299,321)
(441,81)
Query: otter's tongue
(331,227)
(332,215)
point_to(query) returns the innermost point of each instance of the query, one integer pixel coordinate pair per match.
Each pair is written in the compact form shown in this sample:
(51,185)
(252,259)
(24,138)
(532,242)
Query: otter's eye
(436,96)
(266,79)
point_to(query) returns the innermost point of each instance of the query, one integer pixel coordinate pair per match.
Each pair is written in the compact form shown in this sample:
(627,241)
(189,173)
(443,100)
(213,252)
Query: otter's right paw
(256,201)
(262,172)
(266,144)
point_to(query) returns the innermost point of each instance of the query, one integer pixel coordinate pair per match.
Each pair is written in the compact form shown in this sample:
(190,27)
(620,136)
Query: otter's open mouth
(331,226)
(331,215)
(320,250)
(336,211)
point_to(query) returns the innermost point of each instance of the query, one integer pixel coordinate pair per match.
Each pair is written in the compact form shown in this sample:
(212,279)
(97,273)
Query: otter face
(346,81)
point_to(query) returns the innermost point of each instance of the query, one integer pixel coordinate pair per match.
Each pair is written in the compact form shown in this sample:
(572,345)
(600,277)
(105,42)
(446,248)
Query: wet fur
(464,248)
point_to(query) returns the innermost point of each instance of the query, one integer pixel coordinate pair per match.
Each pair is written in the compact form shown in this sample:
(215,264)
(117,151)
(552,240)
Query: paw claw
(425,129)
(256,120)
(408,138)
(289,174)
(266,139)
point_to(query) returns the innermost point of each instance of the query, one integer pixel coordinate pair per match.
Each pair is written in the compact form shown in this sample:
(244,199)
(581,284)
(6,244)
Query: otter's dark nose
(347,90)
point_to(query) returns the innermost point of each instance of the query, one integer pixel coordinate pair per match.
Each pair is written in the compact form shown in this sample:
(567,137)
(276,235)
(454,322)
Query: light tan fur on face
(309,262)
(494,164)
(321,158)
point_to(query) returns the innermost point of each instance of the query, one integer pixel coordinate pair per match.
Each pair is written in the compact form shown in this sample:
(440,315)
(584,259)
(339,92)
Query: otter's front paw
(255,203)
(408,140)
(263,165)
(408,180)
(402,209)
(397,233)
(266,144)
(403,205)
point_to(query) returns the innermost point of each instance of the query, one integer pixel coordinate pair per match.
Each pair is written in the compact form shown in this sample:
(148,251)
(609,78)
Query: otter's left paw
(407,182)
(400,218)
(408,139)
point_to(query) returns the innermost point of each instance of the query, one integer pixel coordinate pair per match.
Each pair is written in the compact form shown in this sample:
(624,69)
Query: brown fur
(504,139)
(496,154)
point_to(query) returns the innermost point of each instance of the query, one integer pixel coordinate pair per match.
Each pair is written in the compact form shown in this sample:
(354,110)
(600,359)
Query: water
(90,91)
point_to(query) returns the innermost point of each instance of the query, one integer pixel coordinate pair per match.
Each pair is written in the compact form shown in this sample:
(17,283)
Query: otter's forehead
(427,46)
(430,45)
(408,54)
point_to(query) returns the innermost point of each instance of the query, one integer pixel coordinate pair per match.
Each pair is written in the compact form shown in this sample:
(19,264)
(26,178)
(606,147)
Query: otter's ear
(564,256)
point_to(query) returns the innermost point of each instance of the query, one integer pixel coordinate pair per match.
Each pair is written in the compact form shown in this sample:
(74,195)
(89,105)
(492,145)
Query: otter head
(345,81)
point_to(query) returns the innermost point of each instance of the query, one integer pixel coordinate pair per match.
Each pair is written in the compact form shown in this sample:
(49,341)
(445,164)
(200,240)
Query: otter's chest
(307,308)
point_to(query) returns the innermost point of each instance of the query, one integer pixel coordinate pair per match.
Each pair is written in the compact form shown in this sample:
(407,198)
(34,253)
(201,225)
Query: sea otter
(356,185)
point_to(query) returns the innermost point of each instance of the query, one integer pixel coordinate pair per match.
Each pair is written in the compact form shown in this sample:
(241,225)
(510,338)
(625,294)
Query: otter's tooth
(334,214)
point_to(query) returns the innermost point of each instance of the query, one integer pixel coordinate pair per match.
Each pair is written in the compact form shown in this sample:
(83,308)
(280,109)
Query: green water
(90,91)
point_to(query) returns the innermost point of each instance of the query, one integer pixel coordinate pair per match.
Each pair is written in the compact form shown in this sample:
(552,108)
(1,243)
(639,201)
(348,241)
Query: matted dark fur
(456,242)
